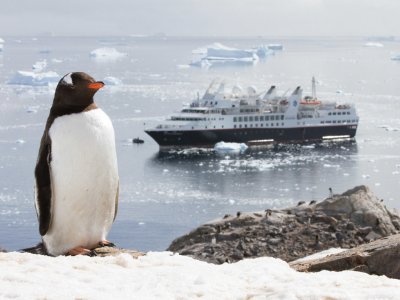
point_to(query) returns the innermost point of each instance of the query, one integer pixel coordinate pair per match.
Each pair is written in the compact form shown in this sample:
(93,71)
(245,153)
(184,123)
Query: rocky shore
(347,220)
(356,220)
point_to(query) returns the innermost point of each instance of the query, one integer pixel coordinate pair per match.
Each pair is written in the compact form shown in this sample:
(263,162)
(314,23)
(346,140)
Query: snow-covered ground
(161,275)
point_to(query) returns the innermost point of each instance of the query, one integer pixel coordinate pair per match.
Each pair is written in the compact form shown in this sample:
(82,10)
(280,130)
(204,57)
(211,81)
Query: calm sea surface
(165,195)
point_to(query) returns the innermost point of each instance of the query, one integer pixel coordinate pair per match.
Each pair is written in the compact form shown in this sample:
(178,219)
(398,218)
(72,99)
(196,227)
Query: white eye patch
(68,79)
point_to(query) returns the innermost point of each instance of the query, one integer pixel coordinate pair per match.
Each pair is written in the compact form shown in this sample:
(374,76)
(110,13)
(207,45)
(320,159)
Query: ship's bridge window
(256,118)
(240,125)
(348,112)
(281,117)
(266,118)
(234,119)
(234,126)
(329,114)
(334,114)
(261,118)
(251,119)
(239,119)
(272,118)
(245,119)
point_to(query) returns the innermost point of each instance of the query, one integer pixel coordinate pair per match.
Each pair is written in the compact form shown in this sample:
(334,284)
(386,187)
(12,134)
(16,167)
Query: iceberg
(264,51)
(223,148)
(218,53)
(107,53)
(34,78)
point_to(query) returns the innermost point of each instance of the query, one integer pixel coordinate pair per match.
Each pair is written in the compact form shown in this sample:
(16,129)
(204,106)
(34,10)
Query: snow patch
(161,275)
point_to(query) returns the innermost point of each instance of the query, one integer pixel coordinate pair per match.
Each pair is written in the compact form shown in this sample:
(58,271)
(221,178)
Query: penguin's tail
(38,249)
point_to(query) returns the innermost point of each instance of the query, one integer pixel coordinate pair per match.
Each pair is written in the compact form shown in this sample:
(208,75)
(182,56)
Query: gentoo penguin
(76,194)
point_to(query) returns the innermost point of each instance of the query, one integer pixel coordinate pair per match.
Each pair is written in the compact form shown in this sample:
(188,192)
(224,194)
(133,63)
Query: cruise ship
(255,119)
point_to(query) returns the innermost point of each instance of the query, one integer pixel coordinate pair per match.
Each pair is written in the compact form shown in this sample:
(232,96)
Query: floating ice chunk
(223,147)
(218,50)
(1,47)
(275,47)
(395,57)
(109,80)
(35,79)
(217,53)
(1,41)
(20,141)
(263,51)
(39,66)
(56,60)
(373,44)
(107,53)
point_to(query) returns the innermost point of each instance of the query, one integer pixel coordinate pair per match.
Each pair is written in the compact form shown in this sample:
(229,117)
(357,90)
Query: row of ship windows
(257,118)
(339,113)
(344,121)
(282,124)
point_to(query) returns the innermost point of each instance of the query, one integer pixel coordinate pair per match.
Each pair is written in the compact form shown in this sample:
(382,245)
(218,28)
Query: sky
(201,17)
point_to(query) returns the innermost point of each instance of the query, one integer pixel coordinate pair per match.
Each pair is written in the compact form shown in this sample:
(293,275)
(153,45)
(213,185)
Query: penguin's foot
(106,243)
(79,251)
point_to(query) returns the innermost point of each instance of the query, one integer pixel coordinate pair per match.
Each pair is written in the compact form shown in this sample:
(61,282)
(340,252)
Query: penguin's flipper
(43,186)
(116,202)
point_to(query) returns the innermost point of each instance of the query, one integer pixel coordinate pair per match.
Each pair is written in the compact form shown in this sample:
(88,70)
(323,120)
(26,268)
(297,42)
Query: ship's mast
(314,90)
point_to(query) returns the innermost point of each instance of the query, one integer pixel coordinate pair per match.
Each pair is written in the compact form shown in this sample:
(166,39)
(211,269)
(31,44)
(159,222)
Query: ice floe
(35,78)
(107,53)
(225,148)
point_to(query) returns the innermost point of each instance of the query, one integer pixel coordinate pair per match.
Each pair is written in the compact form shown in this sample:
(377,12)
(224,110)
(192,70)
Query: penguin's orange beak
(96,85)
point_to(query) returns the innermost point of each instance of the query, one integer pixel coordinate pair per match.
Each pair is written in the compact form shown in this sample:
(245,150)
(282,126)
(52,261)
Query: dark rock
(380,257)
(2,250)
(346,220)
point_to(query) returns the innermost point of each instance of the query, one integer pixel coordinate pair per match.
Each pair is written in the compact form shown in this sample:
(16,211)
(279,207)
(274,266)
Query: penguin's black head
(76,90)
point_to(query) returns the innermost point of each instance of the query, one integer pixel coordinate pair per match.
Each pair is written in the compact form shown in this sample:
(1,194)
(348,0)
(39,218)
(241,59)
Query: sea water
(164,195)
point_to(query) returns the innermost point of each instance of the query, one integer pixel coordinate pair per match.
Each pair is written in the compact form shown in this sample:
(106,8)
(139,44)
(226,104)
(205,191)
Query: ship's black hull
(208,138)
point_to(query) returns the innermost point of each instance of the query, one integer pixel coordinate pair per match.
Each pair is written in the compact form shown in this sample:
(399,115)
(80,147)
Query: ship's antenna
(314,90)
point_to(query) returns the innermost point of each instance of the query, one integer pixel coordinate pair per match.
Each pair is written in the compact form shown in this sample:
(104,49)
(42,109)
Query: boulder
(380,257)
(341,221)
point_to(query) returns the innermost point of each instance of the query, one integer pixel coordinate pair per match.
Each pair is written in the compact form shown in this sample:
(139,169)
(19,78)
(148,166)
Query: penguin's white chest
(84,176)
